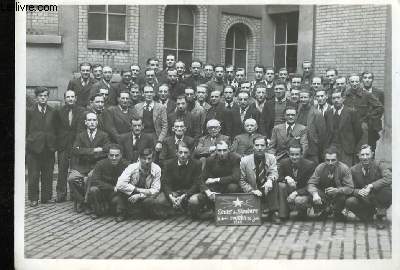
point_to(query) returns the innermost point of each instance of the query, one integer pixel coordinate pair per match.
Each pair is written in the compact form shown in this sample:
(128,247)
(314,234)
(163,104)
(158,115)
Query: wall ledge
(44,39)
(108,45)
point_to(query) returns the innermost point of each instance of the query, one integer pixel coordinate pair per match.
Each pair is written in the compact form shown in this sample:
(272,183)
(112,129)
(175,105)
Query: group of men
(165,142)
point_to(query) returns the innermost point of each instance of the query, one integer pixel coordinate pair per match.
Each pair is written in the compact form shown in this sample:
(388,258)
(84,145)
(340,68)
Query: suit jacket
(202,148)
(265,118)
(84,158)
(193,123)
(100,119)
(112,92)
(341,179)
(168,150)
(231,124)
(170,107)
(121,87)
(215,112)
(105,175)
(159,118)
(205,106)
(117,123)
(183,178)
(66,133)
(279,145)
(131,152)
(176,90)
(379,177)
(248,176)
(200,115)
(194,81)
(349,133)
(82,92)
(305,169)
(243,143)
(40,130)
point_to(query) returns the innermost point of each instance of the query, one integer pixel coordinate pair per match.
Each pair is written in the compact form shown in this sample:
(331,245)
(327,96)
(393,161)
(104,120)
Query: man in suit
(316,86)
(125,84)
(296,81)
(117,119)
(259,72)
(220,175)
(197,111)
(376,124)
(243,143)
(181,70)
(195,78)
(231,123)
(154,117)
(259,175)
(329,186)
(176,87)
(245,110)
(103,180)
(307,72)
(201,95)
(193,122)
(280,103)
(170,143)
(269,83)
(208,72)
(163,93)
(69,121)
(135,141)
(294,173)
(310,117)
(97,72)
(284,134)
(169,64)
(82,86)
(105,83)
(331,74)
(322,105)
(215,111)
(151,80)
(263,110)
(217,83)
(137,77)
(180,180)
(343,129)
(89,147)
(135,96)
(138,186)
(372,188)
(40,147)
(245,86)
(97,107)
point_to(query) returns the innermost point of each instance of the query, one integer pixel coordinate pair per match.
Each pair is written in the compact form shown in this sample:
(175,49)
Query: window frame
(177,24)
(109,44)
(234,49)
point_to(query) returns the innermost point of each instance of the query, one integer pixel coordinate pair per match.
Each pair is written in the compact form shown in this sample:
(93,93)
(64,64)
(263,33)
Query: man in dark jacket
(40,147)
(82,85)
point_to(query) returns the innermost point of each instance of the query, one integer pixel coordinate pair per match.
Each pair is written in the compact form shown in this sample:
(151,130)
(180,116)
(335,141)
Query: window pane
(185,37)
(116,27)
(291,58)
(97,8)
(169,35)
(240,38)
(229,38)
(280,32)
(171,14)
(279,59)
(240,59)
(293,27)
(185,15)
(97,26)
(117,9)
(186,57)
(228,57)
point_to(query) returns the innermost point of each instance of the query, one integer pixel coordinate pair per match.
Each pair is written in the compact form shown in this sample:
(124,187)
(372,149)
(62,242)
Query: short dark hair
(260,137)
(230,66)
(280,82)
(95,95)
(134,65)
(296,75)
(229,86)
(124,71)
(259,66)
(134,85)
(145,152)
(203,85)
(290,108)
(331,150)
(197,61)
(282,68)
(209,64)
(342,93)
(332,68)
(123,92)
(365,146)
(97,65)
(367,72)
(69,90)
(148,69)
(41,89)
(164,84)
(136,119)
(151,59)
(295,144)
(219,65)
(86,64)
(181,97)
(114,146)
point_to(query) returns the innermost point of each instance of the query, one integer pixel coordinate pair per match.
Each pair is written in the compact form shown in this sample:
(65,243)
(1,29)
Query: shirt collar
(151,105)
(152,170)
(339,111)
(40,108)
(280,101)
(291,126)
(176,139)
(83,81)
(227,104)
(94,132)
(180,164)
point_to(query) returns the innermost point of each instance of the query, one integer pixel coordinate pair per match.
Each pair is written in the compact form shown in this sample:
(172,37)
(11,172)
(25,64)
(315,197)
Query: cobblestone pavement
(56,231)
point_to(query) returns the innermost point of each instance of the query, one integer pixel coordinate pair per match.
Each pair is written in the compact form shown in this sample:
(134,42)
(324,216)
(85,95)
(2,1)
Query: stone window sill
(108,45)
(44,39)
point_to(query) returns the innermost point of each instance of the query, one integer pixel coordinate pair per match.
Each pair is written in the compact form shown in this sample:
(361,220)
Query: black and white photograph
(230,132)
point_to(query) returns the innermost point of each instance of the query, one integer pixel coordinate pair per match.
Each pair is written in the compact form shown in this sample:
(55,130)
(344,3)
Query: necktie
(83,83)
(43,110)
(229,106)
(261,174)
(289,131)
(135,139)
(321,108)
(91,136)
(70,117)
(336,119)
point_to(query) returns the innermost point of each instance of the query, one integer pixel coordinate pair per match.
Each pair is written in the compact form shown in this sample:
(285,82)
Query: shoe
(379,223)
(79,208)
(60,198)
(339,217)
(33,203)
(93,216)
(275,218)
(119,218)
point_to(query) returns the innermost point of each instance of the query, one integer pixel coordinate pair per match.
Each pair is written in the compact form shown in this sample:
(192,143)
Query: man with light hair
(243,143)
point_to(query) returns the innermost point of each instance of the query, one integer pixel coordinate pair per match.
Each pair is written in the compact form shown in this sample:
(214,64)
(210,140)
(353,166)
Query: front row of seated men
(186,184)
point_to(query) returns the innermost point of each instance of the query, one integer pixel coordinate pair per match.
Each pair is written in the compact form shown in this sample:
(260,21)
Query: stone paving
(56,231)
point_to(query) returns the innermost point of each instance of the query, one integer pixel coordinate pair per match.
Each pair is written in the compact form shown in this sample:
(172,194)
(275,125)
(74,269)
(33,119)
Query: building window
(286,36)
(236,45)
(178,33)
(107,22)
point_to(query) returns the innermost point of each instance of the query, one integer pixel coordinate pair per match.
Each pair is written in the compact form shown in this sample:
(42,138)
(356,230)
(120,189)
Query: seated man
(88,148)
(134,142)
(243,143)
(372,188)
(103,180)
(259,175)
(329,185)
(138,186)
(170,143)
(294,173)
(180,180)
(207,144)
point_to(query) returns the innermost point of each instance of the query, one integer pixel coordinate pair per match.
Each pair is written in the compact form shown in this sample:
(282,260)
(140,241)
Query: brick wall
(254,39)
(351,38)
(116,58)
(42,23)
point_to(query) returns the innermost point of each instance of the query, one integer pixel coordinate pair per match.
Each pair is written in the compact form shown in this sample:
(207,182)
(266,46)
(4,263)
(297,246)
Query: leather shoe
(93,216)
(275,218)
(119,218)
(60,198)
(33,203)
(79,208)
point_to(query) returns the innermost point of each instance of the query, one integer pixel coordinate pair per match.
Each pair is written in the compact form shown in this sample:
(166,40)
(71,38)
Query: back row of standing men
(159,109)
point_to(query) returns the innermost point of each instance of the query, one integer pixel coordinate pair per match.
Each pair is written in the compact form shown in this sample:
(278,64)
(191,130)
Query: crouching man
(180,180)
(372,188)
(138,186)
(259,175)
(103,180)
(294,173)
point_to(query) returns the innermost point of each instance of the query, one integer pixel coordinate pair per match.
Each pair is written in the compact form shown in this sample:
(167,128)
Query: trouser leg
(284,191)
(302,203)
(47,169)
(33,177)
(270,201)
(119,202)
(360,208)
(77,186)
(63,166)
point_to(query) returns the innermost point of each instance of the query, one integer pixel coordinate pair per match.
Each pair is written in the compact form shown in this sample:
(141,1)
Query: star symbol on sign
(237,202)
